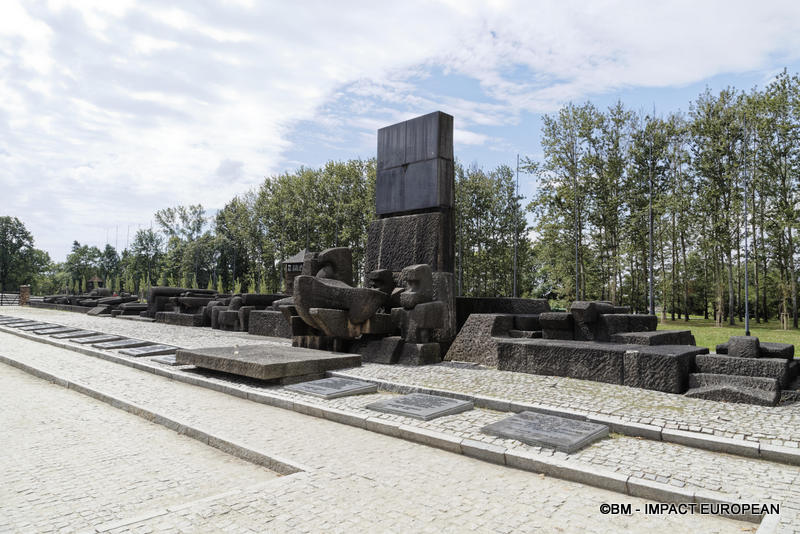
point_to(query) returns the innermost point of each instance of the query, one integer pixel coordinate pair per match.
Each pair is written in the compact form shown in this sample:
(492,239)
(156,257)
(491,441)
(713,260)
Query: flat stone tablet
(166,360)
(54,330)
(38,326)
(122,344)
(21,323)
(149,350)
(421,406)
(332,388)
(99,338)
(6,320)
(542,430)
(268,362)
(71,335)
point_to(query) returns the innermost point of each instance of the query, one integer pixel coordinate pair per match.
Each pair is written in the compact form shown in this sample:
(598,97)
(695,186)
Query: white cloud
(111,110)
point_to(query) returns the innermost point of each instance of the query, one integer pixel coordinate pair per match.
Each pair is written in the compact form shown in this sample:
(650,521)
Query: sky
(111,110)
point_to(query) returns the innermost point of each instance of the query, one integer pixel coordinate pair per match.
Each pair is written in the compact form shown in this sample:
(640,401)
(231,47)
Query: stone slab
(721,364)
(37,326)
(420,185)
(267,362)
(166,360)
(466,306)
(97,338)
(149,350)
(551,431)
(75,334)
(333,388)
(55,330)
(122,344)
(660,370)
(658,337)
(268,323)
(24,323)
(425,137)
(421,406)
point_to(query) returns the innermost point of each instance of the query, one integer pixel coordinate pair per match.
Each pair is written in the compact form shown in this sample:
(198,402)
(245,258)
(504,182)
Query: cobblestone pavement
(70,462)
(356,480)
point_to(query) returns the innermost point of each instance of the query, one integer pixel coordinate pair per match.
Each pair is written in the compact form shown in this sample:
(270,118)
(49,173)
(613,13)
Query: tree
(16,248)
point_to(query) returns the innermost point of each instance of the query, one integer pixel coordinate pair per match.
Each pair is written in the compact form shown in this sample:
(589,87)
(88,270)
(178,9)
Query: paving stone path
(355,480)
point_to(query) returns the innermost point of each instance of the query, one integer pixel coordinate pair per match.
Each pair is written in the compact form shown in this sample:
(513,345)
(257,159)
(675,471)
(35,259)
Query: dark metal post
(746,248)
(516,232)
(650,228)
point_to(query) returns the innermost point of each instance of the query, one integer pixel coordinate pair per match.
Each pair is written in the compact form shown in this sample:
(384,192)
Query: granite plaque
(71,335)
(38,326)
(8,320)
(149,350)
(421,406)
(166,360)
(122,344)
(54,330)
(98,338)
(21,323)
(551,431)
(332,388)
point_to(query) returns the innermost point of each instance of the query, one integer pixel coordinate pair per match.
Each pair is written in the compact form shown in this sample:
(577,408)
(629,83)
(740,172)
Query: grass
(706,334)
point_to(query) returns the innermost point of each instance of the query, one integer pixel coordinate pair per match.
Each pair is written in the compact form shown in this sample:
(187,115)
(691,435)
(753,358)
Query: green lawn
(708,335)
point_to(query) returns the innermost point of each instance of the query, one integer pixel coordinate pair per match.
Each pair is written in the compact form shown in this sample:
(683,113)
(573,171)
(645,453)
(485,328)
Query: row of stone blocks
(661,367)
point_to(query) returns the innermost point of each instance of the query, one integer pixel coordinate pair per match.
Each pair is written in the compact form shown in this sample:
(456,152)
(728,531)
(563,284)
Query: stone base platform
(180,319)
(267,362)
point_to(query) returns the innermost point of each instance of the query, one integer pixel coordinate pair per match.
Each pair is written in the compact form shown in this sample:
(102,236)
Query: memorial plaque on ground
(122,344)
(6,320)
(71,335)
(54,330)
(99,338)
(166,360)
(333,388)
(421,406)
(551,431)
(21,323)
(149,350)
(38,326)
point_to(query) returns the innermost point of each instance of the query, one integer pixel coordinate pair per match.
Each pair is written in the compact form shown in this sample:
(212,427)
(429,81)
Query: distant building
(291,268)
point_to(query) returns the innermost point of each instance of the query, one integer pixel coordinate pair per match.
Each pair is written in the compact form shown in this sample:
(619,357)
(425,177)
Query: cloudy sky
(110,110)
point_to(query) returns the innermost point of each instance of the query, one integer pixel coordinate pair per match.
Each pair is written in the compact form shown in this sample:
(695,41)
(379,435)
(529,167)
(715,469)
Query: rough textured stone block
(658,337)
(421,406)
(394,243)
(557,325)
(527,322)
(268,323)
(777,350)
(386,350)
(729,388)
(180,319)
(743,347)
(618,323)
(720,364)
(475,341)
(466,306)
(587,360)
(663,370)
(419,354)
(551,431)
(267,362)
